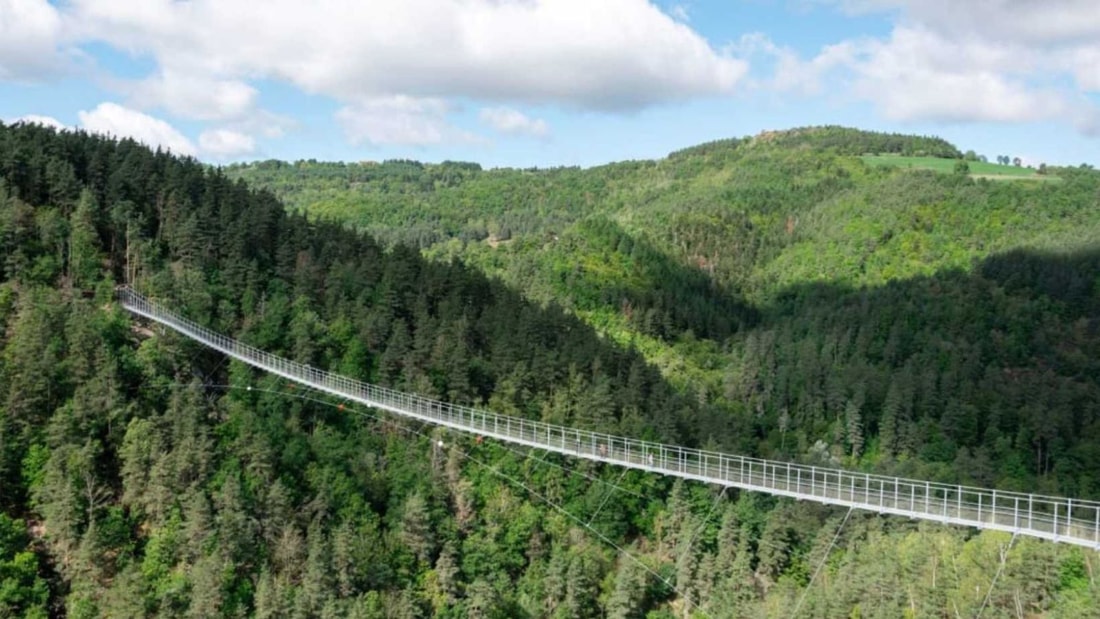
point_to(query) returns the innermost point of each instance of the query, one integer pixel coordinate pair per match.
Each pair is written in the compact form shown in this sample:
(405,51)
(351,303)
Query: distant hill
(773,296)
(786,275)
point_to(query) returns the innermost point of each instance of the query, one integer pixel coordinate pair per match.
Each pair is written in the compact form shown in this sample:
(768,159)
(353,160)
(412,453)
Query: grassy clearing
(978,169)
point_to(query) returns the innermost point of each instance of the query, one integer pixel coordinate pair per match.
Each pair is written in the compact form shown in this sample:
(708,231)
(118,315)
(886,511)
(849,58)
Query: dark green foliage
(134,483)
(846,141)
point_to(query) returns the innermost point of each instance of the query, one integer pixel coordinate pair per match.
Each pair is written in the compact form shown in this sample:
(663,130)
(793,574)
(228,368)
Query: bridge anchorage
(1054,518)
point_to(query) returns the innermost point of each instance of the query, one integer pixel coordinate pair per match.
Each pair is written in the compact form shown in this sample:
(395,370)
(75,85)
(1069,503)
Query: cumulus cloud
(195,96)
(226,143)
(1088,121)
(399,120)
(998,60)
(921,74)
(511,121)
(1085,64)
(612,54)
(30,31)
(1052,22)
(115,120)
(790,73)
(385,61)
(37,119)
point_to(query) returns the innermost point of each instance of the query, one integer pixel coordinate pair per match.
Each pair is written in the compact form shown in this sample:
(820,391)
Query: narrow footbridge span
(1054,518)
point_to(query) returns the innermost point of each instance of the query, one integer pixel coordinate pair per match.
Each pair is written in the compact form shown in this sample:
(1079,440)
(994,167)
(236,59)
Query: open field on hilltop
(978,169)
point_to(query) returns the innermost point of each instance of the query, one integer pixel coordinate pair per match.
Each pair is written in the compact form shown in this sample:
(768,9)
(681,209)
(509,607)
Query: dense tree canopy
(139,476)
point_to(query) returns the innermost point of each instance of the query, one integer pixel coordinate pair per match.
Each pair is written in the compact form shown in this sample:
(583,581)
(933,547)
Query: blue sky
(551,82)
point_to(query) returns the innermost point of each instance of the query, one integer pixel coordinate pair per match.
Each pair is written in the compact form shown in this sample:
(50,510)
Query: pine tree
(888,421)
(393,361)
(416,527)
(85,249)
(628,599)
(853,425)
(317,582)
(207,578)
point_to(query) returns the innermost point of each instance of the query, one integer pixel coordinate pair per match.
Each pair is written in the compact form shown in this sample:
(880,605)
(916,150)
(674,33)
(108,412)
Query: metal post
(1069,517)
(1055,504)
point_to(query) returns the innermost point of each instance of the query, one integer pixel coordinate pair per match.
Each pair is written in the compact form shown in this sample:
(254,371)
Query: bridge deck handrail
(1056,518)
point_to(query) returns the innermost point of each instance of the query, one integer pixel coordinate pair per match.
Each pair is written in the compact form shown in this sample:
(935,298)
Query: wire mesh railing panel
(1058,518)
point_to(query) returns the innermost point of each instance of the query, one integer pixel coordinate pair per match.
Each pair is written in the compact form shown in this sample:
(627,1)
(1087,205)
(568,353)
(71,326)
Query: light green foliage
(774,296)
(978,169)
(23,592)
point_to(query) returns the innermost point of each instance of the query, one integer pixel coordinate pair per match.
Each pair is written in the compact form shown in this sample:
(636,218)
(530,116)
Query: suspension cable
(1003,550)
(821,564)
(360,410)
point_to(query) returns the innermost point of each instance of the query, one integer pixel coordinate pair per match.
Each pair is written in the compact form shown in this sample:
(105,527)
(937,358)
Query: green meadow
(979,169)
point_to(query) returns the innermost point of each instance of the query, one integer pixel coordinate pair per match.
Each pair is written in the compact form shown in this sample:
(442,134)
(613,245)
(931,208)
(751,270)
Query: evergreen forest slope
(139,476)
(819,300)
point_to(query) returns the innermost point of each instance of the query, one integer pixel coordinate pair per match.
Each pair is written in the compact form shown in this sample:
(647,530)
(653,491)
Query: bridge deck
(1048,517)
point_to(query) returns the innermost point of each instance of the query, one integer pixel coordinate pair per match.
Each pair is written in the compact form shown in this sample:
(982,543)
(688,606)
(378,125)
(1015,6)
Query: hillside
(785,280)
(142,475)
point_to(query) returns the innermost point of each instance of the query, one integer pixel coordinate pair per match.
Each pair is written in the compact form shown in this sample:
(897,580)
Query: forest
(771,296)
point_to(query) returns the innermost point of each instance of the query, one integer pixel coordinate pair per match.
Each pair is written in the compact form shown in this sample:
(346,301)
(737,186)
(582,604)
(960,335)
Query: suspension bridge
(1060,519)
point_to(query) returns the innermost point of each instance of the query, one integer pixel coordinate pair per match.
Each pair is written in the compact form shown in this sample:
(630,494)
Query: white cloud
(37,119)
(997,61)
(225,143)
(612,54)
(1049,22)
(396,66)
(30,31)
(1088,121)
(1085,64)
(790,73)
(265,123)
(113,119)
(680,12)
(919,74)
(399,120)
(508,120)
(195,96)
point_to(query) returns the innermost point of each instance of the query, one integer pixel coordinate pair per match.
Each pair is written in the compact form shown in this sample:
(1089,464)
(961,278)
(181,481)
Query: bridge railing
(1050,517)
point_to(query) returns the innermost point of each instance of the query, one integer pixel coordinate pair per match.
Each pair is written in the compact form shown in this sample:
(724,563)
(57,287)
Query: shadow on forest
(990,376)
(658,295)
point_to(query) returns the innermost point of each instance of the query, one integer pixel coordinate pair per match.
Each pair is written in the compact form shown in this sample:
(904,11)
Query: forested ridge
(134,482)
(905,319)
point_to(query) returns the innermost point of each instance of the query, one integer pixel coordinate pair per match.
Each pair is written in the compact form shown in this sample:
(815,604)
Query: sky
(545,83)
